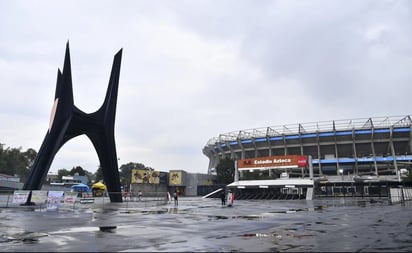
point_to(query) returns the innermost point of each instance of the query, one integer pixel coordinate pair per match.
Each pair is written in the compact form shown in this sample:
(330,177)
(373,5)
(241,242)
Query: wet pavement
(198,224)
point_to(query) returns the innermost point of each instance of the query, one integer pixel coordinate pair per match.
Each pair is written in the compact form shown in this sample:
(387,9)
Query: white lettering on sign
(267,161)
(262,161)
(287,160)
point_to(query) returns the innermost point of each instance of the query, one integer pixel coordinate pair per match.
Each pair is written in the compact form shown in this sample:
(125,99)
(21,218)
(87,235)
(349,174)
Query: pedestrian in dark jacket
(223,197)
(175,196)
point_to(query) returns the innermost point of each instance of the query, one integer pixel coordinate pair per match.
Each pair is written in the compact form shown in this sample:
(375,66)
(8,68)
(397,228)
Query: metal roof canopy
(274,182)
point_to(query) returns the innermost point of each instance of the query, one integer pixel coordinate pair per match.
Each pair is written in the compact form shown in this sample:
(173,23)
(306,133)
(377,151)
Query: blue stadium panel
(292,137)
(404,158)
(346,160)
(260,139)
(328,161)
(382,131)
(402,130)
(334,161)
(303,136)
(384,159)
(276,138)
(326,134)
(343,133)
(363,131)
(365,159)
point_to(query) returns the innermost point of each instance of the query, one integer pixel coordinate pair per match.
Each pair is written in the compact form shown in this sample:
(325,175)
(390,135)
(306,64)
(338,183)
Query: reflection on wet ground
(199,224)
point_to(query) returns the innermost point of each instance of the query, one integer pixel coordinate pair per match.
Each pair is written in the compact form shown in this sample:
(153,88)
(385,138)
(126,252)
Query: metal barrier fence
(67,200)
(400,194)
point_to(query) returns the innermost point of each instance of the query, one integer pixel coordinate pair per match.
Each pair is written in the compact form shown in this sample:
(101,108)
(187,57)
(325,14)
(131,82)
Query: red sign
(269,162)
(302,161)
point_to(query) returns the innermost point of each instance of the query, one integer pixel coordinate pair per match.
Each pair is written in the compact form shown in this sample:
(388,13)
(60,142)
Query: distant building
(51,177)
(76,179)
(5,177)
(187,184)
(10,182)
(65,184)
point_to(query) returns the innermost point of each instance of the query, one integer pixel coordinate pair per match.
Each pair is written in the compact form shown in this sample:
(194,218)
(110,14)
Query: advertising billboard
(145,176)
(175,177)
(273,162)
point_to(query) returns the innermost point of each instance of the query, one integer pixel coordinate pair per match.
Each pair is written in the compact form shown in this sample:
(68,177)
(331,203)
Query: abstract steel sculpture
(67,122)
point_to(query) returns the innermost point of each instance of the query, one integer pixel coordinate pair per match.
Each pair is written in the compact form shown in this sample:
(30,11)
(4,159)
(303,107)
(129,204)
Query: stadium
(364,147)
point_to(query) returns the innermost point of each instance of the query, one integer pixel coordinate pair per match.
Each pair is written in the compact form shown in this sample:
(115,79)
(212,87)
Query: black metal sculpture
(67,122)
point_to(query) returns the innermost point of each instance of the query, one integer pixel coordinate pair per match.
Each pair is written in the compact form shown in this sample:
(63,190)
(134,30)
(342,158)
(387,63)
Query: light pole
(236,172)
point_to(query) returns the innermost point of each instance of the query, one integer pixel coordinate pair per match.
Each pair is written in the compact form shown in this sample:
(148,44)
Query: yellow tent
(99,186)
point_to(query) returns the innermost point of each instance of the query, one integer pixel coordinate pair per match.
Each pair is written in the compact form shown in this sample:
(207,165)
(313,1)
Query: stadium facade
(369,146)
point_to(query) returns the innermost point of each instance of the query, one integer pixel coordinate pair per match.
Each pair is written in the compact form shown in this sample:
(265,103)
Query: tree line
(15,162)
(18,162)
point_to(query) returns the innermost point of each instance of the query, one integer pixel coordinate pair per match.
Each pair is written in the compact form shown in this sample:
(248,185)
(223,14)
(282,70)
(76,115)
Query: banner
(175,177)
(70,197)
(273,162)
(54,199)
(145,177)
(20,197)
(39,197)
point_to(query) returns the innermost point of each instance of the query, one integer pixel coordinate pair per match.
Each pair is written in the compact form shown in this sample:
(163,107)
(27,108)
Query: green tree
(15,162)
(2,159)
(6,165)
(126,171)
(408,178)
(79,170)
(29,156)
(90,176)
(61,173)
(225,171)
(98,175)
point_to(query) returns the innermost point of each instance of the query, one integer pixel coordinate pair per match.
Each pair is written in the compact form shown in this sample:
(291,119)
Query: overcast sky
(192,70)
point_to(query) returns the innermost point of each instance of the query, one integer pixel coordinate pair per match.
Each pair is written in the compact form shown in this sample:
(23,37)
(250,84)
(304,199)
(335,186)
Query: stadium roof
(321,126)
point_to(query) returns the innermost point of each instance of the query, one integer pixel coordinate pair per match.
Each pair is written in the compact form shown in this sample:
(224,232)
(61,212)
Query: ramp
(210,194)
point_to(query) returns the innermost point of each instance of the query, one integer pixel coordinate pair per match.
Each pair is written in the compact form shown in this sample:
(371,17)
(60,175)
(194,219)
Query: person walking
(230,198)
(169,199)
(176,198)
(223,197)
